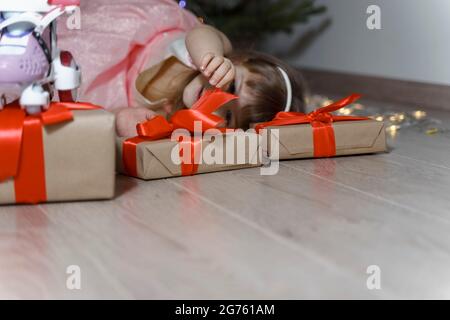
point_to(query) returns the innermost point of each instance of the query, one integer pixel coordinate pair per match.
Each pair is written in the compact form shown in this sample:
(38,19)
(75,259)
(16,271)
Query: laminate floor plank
(158,241)
(350,231)
(310,231)
(405,182)
(429,150)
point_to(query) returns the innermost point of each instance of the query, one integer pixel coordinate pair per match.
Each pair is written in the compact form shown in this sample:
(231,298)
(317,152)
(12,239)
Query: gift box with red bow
(63,154)
(321,134)
(191,142)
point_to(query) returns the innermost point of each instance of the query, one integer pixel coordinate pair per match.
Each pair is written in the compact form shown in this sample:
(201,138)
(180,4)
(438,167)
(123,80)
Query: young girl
(147,57)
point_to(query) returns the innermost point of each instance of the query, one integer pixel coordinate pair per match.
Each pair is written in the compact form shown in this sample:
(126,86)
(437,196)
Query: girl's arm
(208,47)
(206,39)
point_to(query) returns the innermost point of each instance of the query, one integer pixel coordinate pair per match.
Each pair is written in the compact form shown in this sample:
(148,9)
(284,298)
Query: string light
(327,102)
(397,117)
(345,111)
(183,5)
(394,121)
(419,114)
(378,118)
(392,130)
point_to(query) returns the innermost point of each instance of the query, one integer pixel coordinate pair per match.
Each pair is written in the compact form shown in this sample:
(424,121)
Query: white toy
(31,65)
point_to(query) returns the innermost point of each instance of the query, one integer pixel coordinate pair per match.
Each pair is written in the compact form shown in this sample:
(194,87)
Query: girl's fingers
(213,65)
(206,60)
(168,108)
(220,73)
(227,79)
(143,114)
(150,115)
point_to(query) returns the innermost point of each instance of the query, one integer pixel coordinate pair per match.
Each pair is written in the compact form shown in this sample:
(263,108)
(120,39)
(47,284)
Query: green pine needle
(255,19)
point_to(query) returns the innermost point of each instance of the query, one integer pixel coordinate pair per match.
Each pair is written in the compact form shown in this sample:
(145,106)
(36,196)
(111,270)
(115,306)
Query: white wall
(414,43)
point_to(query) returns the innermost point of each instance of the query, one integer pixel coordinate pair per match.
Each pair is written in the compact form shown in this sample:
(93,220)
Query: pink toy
(31,65)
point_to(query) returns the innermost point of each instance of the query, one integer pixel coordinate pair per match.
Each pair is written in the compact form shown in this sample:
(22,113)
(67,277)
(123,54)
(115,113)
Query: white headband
(288,89)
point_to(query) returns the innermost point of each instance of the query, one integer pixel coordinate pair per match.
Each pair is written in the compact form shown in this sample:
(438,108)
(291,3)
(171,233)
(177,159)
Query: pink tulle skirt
(117,40)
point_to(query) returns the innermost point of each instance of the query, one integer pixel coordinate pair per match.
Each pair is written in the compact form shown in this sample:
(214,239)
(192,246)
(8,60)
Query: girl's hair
(267,87)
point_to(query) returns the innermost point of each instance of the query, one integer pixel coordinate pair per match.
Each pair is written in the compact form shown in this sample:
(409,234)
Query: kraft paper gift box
(64,154)
(161,158)
(320,134)
(153,154)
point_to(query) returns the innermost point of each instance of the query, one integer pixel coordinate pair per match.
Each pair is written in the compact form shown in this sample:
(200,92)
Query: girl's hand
(219,70)
(128,118)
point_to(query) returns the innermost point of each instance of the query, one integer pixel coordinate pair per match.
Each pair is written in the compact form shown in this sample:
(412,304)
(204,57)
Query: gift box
(164,158)
(190,143)
(321,134)
(64,154)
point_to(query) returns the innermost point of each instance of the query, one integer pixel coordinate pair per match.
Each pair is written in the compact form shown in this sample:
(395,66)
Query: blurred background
(406,60)
(413,43)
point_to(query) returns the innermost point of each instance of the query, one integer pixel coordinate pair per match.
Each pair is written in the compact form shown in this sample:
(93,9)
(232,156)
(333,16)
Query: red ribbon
(321,121)
(159,128)
(22,149)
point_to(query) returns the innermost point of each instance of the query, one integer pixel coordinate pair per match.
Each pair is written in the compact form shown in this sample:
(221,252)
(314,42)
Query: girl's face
(230,112)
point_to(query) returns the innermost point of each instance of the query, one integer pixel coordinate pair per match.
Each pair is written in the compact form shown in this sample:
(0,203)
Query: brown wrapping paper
(154,158)
(79,159)
(352,138)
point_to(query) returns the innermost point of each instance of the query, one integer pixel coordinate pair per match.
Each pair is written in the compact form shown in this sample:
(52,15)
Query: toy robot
(32,67)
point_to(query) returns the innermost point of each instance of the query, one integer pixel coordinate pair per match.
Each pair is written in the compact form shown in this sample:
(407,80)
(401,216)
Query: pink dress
(118,40)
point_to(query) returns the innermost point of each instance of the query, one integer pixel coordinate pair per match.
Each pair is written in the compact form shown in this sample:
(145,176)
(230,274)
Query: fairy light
(327,102)
(345,111)
(378,118)
(392,130)
(419,114)
(398,117)
(183,5)
(394,121)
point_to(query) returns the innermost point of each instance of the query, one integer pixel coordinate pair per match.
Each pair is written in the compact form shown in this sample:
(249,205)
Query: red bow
(321,121)
(22,150)
(159,128)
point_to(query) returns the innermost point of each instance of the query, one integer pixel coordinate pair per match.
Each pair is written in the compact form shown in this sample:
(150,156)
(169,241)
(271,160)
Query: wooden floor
(309,232)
